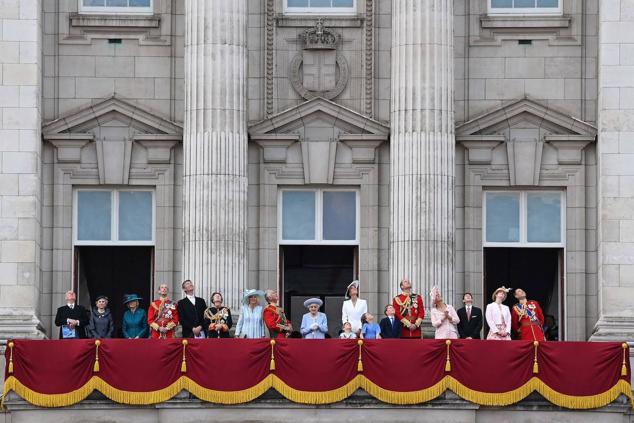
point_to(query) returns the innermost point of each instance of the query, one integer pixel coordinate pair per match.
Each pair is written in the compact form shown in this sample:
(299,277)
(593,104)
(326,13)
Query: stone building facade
(297,145)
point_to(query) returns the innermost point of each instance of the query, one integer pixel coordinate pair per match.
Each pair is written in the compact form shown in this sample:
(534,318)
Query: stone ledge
(305,21)
(116,21)
(524,22)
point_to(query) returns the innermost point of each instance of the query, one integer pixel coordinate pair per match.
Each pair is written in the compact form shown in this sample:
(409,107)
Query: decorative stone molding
(275,146)
(159,147)
(115,21)
(480,147)
(369,57)
(69,146)
(319,37)
(569,147)
(302,21)
(525,23)
(269,55)
(525,159)
(319,161)
(363,146)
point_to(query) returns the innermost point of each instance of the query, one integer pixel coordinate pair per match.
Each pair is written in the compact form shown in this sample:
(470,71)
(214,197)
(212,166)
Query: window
(328,216)
(525,218)
(329,7)
(116,6)
(109,217)
(525,7)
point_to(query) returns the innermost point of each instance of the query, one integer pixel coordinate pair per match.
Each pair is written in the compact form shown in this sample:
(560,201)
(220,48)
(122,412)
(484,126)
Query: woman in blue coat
(134,319)
(314,323)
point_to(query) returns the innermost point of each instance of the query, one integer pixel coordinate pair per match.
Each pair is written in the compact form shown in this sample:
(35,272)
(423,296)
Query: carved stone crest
(313,71)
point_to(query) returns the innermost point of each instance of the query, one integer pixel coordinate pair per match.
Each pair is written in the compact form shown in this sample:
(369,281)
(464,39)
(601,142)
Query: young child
(390,325)
(347,332)
(370,330)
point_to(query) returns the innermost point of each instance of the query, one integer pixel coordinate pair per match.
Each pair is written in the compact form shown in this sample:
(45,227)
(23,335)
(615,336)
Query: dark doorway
(536,270)
(114,271)
(317,271)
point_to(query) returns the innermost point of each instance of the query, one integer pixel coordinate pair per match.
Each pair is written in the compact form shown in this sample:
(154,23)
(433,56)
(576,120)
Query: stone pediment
(525,111)
(320,135)
(114,138)
(318,112)
(112,109)
(523,129)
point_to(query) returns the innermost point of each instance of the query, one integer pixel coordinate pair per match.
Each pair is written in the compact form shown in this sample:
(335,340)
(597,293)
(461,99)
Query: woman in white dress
(499,316)
(353,308)
(443,317)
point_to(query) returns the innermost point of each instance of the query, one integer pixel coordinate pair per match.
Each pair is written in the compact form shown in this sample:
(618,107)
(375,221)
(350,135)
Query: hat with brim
(312,301)
(353,284)
(503,289)
(128,298)
(252,293)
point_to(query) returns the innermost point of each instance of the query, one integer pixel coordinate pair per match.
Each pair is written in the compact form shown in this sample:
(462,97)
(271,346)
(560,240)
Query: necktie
(468,313)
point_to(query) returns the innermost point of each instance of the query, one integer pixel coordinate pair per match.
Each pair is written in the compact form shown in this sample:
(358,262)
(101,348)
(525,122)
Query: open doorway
(536,270)
(321,271)
(114,271)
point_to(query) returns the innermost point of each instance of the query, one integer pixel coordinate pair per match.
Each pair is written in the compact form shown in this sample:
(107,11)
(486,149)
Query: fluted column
(422,146)
(215,147)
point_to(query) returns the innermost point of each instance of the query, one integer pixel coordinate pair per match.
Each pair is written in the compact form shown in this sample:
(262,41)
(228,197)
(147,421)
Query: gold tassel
(184,362)
(535,364)
(11,345)
(623,366)
(448,362)
(360,362)
(95,368)
(272,365)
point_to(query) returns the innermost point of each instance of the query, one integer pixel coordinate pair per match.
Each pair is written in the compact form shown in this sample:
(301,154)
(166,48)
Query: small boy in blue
(370,330)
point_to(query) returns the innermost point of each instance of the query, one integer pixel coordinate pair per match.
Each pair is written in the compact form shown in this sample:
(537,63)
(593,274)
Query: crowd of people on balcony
(261,317)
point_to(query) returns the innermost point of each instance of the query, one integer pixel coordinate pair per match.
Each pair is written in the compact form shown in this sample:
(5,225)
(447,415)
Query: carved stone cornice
(69,146)
(569,147)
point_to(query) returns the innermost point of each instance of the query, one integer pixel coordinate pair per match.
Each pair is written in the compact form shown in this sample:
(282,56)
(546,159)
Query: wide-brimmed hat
(354,284)
(312,301)
(128,298)
(435,294)
(503,289)
(252,293)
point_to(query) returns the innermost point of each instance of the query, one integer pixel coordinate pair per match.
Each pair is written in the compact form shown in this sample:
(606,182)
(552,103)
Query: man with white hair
(274,317)
(71,318)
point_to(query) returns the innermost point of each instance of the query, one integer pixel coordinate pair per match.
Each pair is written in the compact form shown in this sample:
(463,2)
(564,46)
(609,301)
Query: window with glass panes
(116,6)
(114,217)
(320,6)
(319,216)
(524,218)
(525,7)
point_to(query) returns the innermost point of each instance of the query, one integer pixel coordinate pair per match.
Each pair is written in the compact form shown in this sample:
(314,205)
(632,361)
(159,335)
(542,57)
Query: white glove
(315,326)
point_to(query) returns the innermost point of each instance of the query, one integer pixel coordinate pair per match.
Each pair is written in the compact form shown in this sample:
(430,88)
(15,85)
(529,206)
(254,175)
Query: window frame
(105,10)
(346,11)
(114,217)
(523,223)
(319,210)
(525,11)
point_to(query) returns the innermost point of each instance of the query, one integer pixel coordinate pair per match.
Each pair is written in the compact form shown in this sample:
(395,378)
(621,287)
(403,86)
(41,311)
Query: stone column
(615,146)
(20,167)
(215,148)
(422,146)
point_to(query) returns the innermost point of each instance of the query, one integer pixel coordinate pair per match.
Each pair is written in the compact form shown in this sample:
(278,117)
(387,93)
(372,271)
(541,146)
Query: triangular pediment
(321,113)
(525,112)
(112,111)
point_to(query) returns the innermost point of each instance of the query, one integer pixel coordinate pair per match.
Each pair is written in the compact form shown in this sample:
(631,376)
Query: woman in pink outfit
(443,317)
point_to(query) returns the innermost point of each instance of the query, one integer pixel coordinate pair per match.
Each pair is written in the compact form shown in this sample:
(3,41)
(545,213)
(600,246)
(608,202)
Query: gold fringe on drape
(499,399)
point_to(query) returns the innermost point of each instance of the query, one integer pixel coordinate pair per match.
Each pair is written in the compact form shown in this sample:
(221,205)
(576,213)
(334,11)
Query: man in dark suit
(470,319)
(191,310)
(390,326)
(72,318)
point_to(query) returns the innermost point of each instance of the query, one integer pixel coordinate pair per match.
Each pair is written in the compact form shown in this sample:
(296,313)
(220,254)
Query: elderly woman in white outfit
(353,308)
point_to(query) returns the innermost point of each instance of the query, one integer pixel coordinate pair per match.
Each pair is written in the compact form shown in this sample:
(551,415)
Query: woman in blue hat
(134,319)
(314,323)
(250,323)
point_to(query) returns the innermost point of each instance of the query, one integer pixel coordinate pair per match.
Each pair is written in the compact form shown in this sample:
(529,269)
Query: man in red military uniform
(409,310)
(163,315)
(274,316)
(527,318)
